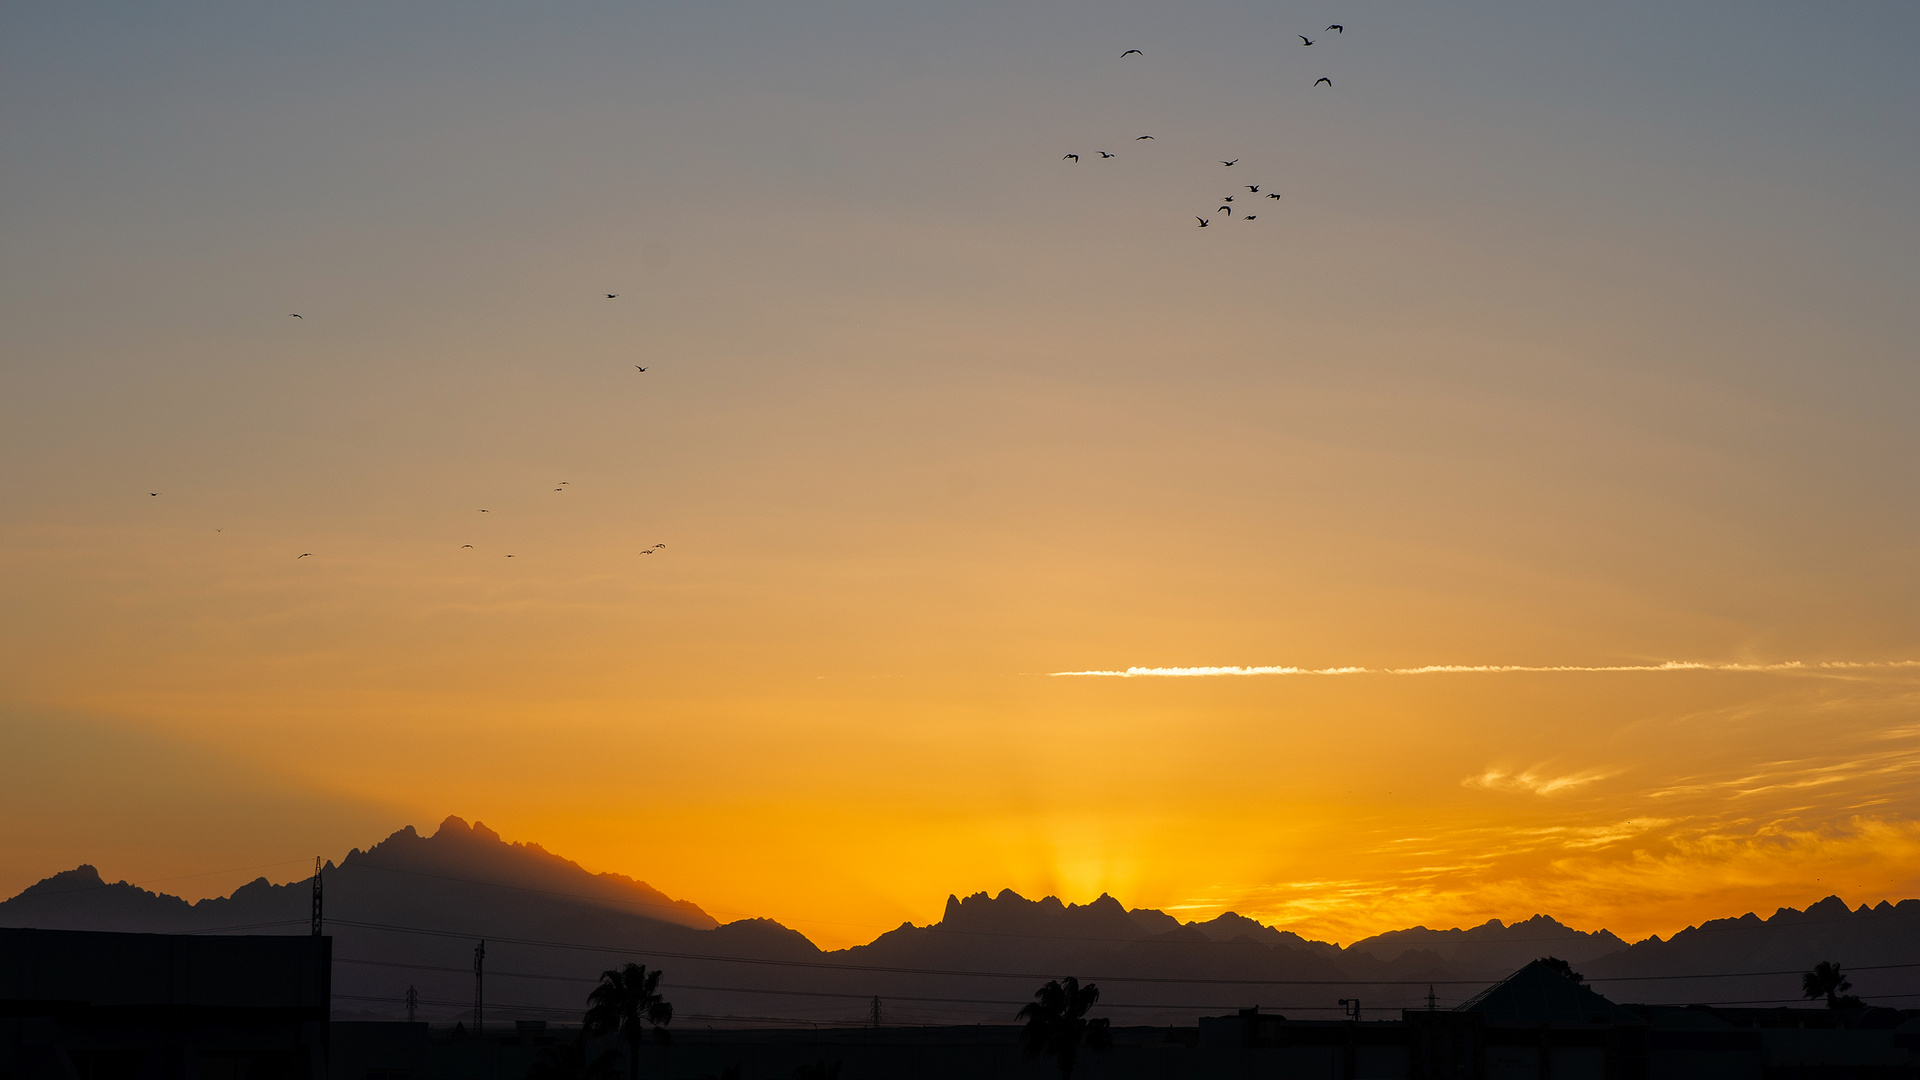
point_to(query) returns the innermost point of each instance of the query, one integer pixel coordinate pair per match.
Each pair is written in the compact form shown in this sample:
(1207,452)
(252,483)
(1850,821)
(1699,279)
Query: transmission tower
(479,955)
(316,896)
(876,1010)
(413,1002)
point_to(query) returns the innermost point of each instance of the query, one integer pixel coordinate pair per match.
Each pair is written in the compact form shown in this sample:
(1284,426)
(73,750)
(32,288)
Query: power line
(885,969)
(842,995)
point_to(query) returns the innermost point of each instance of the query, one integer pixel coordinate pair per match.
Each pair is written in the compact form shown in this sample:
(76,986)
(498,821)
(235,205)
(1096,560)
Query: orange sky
(1566,345)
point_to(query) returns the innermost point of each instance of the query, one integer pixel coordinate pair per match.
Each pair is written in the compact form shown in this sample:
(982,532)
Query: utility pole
(1351,1006)
(316,896)
(876,1010)
(1430,998)
(413,1002)
(479,956)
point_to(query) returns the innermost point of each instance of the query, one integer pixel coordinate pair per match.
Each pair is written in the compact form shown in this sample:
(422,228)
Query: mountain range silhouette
(408,911)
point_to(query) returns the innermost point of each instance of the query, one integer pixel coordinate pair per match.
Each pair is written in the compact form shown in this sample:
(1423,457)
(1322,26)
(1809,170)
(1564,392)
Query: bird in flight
(1255,188)
(1249,217)
(613,296)
(302,556)
(1131,52)
(1071,157)
(1273,194)
(486,511)
(646,551)
(1231,164)
(1103,153)
(1323,79)
(1228,209)
(1201,220)
(154,493)
(1337,28)
(559,489)
(637,367)
(463,547)
(1304,39)
(1137,138)
(1226,198)
(291,315)
(509,556)
(659,545)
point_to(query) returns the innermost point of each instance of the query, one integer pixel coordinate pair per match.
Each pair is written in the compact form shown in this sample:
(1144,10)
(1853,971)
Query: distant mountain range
(409,911)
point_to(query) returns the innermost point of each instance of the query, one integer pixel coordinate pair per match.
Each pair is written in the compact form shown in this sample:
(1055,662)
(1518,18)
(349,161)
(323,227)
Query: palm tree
(1825,979)
(625,1002)
(1057,1023)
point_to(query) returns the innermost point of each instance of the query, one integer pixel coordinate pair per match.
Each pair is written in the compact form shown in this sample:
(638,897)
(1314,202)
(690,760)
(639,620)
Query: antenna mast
(479,955)
(316,896)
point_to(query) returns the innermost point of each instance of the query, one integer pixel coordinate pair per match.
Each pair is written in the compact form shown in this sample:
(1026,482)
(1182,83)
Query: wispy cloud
(1834,667)
(1532,781)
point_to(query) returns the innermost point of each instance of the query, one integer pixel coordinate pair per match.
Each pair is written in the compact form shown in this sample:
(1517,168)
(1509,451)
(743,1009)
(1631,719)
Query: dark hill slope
(1787,942)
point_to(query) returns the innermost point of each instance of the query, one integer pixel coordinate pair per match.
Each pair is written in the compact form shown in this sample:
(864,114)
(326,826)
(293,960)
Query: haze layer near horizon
(1577,339)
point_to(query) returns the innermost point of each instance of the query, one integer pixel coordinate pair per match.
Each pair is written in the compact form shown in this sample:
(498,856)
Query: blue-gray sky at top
(1580,335)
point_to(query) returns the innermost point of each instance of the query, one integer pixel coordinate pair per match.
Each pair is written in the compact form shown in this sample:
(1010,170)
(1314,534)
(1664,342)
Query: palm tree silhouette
(625,1002)
(1057,1023)
(1825,979)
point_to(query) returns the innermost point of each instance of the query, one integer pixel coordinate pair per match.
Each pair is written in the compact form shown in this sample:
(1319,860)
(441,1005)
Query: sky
(1579,338)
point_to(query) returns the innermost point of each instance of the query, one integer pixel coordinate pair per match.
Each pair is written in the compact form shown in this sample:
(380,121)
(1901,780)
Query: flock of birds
(563,486)
(1226,206)
(1253,190)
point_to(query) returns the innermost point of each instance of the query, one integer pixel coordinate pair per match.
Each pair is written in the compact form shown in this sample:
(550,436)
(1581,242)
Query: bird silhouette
(613,295)
(1226,198)
(486,511)
(1071,157)
(291,315)
(302,555)
(154,493)
(463,547)
(659,545)
(1231,164)
(637,367)
(1249,217)
(509,556)
(1103,153)
(646,551)
(1131,52)
(1337,28)
(559,489)
(1228,209)
(1305,40)
(1137,138)
(1255,188)
(1201,220)
(1273,194)
(1323,79)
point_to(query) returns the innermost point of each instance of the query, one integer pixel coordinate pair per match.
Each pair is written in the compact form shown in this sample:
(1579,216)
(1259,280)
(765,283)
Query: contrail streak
(1820,667)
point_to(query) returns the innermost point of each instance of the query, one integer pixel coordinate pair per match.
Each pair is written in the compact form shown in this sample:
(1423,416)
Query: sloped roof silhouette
(1538,994)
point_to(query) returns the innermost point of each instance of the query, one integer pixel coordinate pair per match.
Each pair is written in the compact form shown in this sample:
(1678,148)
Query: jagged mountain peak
(475,854)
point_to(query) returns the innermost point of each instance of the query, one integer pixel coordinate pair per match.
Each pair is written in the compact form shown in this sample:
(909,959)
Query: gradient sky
(1580,337)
